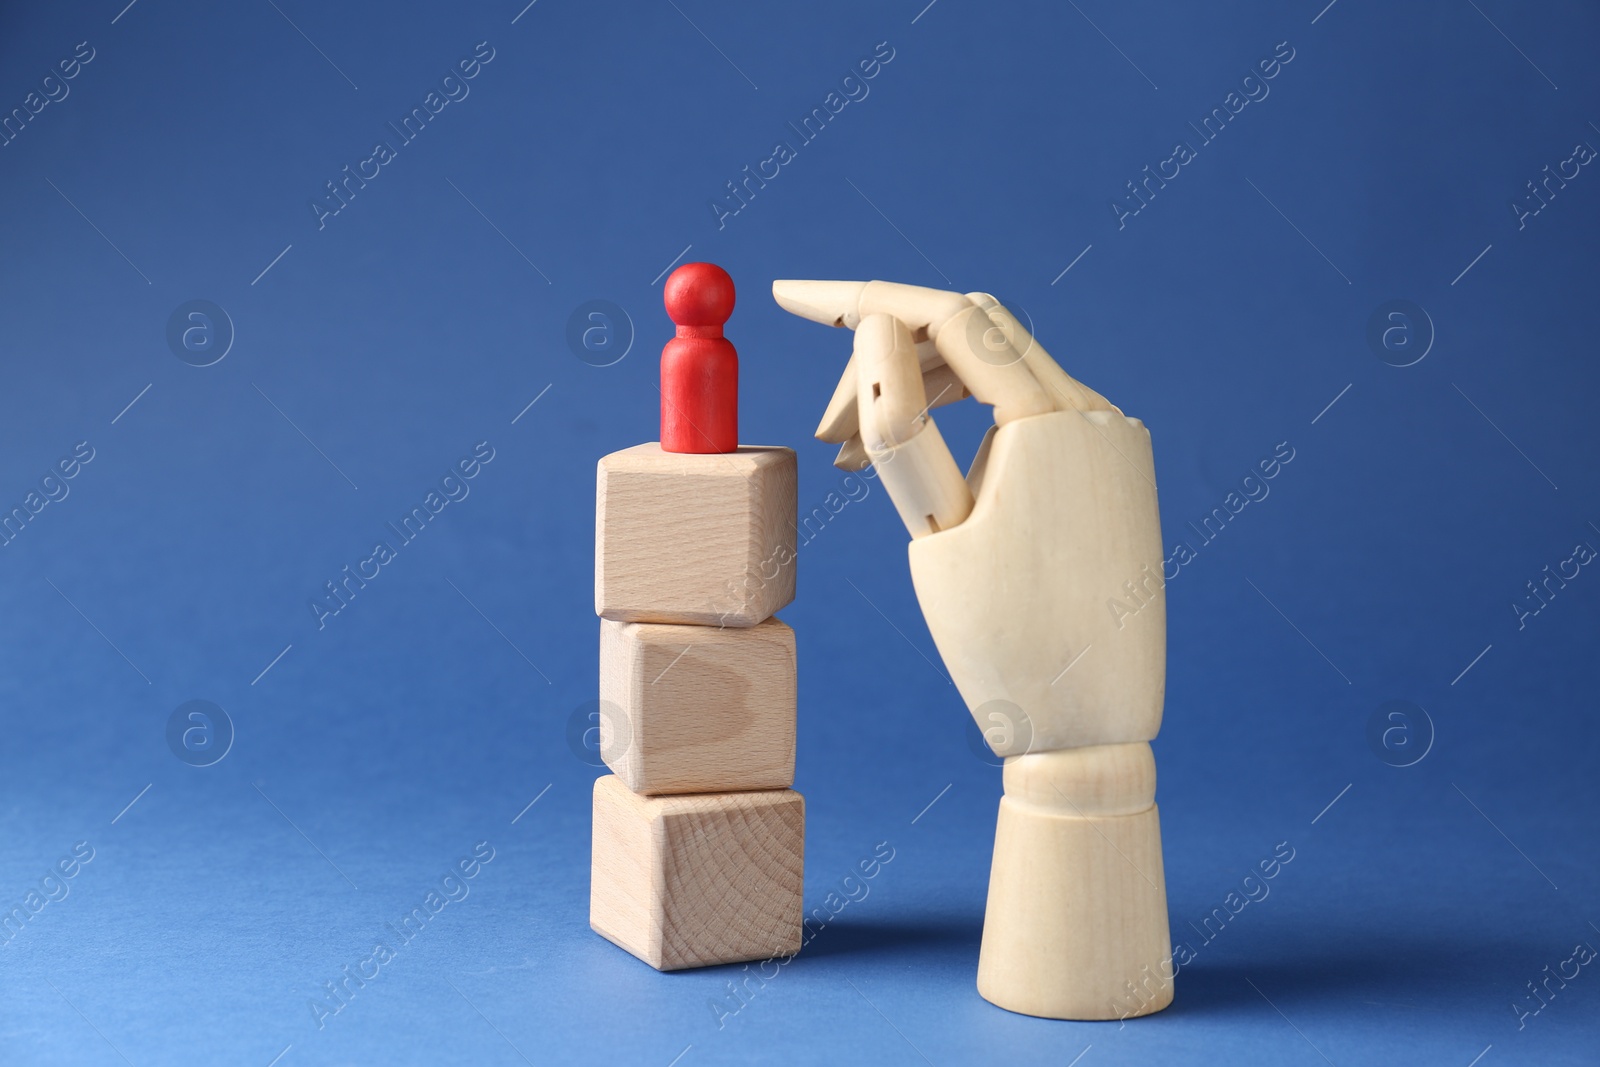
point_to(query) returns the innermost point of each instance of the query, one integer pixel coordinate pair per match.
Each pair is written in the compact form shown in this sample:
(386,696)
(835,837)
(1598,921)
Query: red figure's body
(699,367)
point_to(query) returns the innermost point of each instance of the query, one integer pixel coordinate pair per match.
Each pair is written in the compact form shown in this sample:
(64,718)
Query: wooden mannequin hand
(1040,572)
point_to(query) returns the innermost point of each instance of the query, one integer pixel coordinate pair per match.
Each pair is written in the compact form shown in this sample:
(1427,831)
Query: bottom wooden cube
(699,879)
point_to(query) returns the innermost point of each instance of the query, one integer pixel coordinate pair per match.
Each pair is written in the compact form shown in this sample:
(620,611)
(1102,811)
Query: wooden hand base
(1076,926)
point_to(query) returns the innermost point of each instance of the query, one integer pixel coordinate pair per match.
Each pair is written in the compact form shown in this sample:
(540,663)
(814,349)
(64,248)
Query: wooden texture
(1063,389)
(924,482)
(1040,576)
(897,434)
(698,709)
(1022,599)
(691,881)
(1098,780)
(963,335)
(891,404)
(1076,926)
(841,419)
(706,540)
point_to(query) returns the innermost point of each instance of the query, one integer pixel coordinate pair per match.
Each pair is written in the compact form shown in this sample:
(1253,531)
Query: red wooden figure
(699,367)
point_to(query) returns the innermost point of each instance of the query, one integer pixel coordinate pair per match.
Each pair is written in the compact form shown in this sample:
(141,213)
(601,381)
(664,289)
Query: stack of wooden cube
(698,842)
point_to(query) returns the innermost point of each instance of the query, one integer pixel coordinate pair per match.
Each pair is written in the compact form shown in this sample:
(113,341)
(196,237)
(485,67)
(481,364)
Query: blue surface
(376,351)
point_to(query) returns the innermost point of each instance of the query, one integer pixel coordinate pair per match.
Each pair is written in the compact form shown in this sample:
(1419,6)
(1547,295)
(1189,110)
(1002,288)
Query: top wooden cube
(707,540)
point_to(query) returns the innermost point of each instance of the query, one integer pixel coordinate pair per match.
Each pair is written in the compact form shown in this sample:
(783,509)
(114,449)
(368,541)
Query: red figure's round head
(698,294)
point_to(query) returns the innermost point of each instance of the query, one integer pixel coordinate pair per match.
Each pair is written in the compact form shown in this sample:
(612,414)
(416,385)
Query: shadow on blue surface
(1422,973)
(900,937)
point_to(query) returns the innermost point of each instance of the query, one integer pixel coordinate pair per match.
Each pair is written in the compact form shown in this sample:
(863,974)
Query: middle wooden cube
(697,709)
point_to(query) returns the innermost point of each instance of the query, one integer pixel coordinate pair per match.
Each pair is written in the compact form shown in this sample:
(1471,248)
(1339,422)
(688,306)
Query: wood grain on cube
(691,881)
(701,539)
(698,709)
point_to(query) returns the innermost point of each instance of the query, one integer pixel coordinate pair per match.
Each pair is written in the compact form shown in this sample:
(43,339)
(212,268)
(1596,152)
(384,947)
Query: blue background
(374,352)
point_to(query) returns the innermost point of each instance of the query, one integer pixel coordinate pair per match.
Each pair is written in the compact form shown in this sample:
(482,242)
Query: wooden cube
(698,709)
(690,881)
(702,539)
